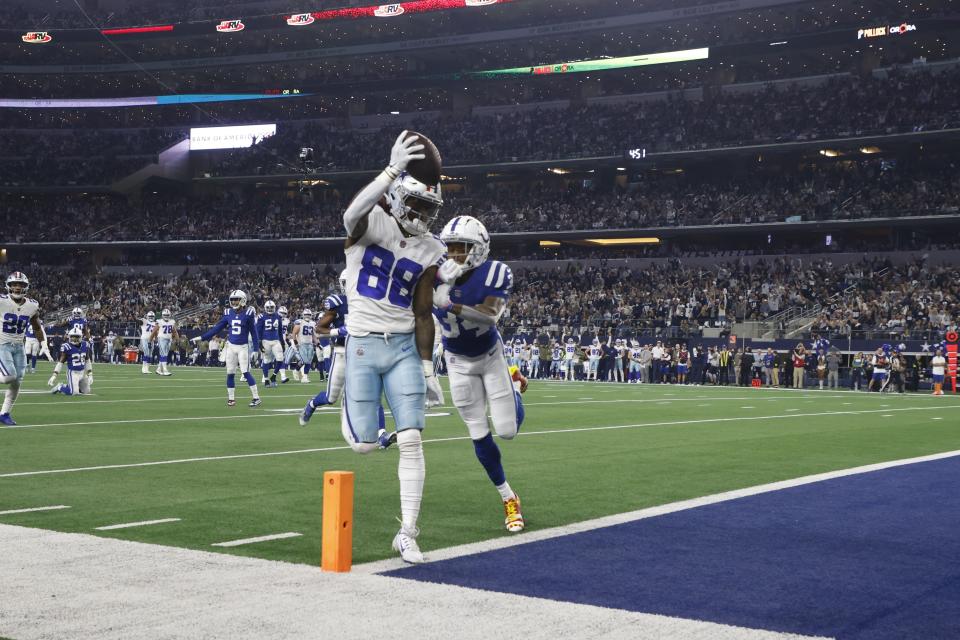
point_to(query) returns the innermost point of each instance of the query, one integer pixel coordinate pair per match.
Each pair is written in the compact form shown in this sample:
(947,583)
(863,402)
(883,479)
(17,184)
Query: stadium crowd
(827,190)
(662,298)
(903,101)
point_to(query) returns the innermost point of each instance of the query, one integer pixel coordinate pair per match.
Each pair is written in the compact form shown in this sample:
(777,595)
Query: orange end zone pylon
(337,543)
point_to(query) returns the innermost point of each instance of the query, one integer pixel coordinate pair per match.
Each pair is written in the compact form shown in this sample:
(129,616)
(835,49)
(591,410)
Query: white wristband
(391,172)
(56,369)
(427,368)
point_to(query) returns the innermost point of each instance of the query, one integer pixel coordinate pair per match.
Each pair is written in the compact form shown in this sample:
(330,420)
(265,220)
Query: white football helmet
(342,282)
(471,232)
(165,314)
(307,314)
(151,316)
(17,285)
(282,311)
(269,306)
(414,204)
(75,335)
(238,299)
(77,313)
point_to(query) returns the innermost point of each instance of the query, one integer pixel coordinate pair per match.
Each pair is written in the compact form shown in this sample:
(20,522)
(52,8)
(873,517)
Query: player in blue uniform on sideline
(270,330)
(468,310)
(241,325)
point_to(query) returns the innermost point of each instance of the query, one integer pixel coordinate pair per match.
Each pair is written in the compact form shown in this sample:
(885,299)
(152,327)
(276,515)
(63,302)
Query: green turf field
(149,448)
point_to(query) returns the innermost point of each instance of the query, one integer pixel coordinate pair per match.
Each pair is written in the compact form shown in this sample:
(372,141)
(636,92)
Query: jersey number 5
(383,276)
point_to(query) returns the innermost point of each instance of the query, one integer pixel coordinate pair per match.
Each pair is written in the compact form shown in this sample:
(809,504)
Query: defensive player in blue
(240,322)
(78,357)
(468,310)
(270,330)
(77,321)
(333,325)
(32,348)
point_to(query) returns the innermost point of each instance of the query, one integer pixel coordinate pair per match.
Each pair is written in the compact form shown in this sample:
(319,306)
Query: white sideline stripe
(145,420)
(642,514)
(53,508)
(457,438)
(275,536)
(127,525)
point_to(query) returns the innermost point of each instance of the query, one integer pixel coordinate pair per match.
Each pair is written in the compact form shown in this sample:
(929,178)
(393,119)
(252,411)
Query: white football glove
(90,378)
(52,381)
(404,150)
(449,271)
(45,350)
(441,296)
(434,390)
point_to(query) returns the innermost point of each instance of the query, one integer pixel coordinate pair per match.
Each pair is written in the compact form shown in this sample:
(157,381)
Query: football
(427,170)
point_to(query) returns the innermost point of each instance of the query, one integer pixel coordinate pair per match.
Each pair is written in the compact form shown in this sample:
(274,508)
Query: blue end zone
(875,555)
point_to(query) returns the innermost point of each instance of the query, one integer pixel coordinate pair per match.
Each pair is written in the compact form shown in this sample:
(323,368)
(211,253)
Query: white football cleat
(405,542)
(304,379)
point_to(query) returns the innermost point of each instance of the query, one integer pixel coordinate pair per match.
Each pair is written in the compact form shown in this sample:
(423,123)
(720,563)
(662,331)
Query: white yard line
(243,541)
(128,525)
(457,438)
(160,399)
(632,516)
(31,510)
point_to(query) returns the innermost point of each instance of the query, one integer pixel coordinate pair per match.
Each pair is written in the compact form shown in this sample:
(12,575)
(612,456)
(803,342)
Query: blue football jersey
(77,322)
(466,338)
(337,303)
(270,326)
(241,327)
(76,355)
(30,333)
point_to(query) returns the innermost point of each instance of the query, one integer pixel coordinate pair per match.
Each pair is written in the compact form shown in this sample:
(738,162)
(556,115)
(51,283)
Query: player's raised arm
(355,217)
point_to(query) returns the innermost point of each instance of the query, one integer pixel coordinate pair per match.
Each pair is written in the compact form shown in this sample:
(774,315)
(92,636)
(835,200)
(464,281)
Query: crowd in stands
(841,107)
(828,190)
(664,297)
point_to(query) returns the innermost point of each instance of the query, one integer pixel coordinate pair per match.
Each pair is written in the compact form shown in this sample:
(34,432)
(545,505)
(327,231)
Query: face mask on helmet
(269,306)
(151,316)
(414,204)
(74,336)
(17,286)
(342,282)
(468,242)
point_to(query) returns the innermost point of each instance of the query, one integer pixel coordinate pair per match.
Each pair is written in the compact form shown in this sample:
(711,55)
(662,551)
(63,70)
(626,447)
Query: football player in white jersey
(17,312)
(392,263)
(305,339)
(147,326)
(569,356)
(468,310)
(32,348)
(164,333)
(291,361)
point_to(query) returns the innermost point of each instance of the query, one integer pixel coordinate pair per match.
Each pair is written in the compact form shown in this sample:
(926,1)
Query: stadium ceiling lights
(549,243)
(869,150)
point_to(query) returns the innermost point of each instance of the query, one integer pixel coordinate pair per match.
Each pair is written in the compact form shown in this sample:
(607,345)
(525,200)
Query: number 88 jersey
(383,268)
(15,318)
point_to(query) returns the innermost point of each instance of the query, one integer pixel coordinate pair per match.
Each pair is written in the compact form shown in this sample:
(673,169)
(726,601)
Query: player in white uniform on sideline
(291,361)
(147,325)
(32,349)
(164,333)
(77,354)
(17,312)
(109,347)
(569,354)
(392,263)
(305,340)
(468,310)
